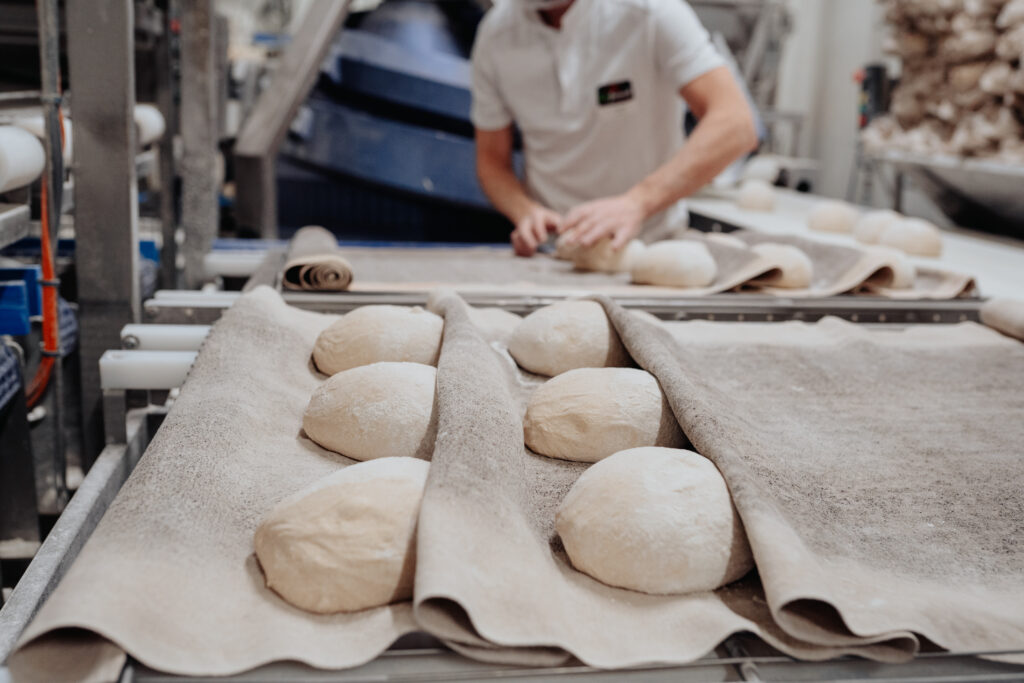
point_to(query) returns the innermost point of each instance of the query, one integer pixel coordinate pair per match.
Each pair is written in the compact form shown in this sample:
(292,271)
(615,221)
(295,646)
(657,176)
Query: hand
(621,218)
(532,229)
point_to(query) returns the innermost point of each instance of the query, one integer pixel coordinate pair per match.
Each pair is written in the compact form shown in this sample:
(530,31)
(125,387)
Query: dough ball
(602,258)
(495,324)
(587,414)
(566,336)
(762,167)
(373,334)
(383,410)
(913,236)
(675,263)
(833,216)
(654,520)
(726,240)
(793,268)
(756,195)
(563,249)
(348,542)
(871,225)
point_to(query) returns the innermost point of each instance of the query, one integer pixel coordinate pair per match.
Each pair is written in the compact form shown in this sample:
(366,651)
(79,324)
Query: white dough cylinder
(22,158)
(35,125)
(149,123)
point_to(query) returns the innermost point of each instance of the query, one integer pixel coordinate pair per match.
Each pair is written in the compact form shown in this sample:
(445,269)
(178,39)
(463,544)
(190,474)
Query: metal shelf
(15,223)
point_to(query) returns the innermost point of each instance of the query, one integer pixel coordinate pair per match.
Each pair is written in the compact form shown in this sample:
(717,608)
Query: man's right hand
(532,229)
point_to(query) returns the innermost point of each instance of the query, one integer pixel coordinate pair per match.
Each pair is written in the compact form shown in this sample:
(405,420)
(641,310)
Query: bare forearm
(719,139)
(504,189)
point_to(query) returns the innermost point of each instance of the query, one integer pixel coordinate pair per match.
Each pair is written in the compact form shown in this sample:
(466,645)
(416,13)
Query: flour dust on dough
(871,225)
(566,336)
(654,520)
(913,236)
(756,195)
(587,414)
(833,216)
(348,542)
(374,334)
(675,263)
(602,258)
(383,410)
(793,268)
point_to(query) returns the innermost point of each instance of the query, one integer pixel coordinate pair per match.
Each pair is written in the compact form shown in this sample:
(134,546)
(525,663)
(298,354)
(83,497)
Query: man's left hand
(620,217)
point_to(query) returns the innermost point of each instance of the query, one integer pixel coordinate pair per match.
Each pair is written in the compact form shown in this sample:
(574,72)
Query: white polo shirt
(597,101)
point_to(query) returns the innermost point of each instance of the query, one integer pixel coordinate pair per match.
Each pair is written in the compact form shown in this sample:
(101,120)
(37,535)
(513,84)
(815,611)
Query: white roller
(144,369)
(164,337)
(150,123)
(22,158)
(34,124)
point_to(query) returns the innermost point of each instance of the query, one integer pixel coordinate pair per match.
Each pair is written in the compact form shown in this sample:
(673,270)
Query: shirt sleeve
(489,110)
(682,46)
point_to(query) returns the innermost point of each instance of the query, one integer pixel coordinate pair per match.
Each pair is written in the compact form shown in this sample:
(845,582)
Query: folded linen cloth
(878,474)
(315,263)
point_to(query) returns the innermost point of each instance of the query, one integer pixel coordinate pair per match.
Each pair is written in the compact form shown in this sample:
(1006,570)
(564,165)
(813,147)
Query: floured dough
(384,410)
(654,520)
(348,542)
(496,324)
(793,268)
(756,195)
(871,225)
(913,236)
(566,336)
(726,240)
(602,258)
(563,249)
(373,334)
(833,216)
(675,263)
(587,414)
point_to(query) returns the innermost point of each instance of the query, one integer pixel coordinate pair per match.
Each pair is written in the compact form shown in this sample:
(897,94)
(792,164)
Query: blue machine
(383,149)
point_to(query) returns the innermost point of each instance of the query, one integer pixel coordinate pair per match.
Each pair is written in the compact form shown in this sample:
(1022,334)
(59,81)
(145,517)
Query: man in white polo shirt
(597,88)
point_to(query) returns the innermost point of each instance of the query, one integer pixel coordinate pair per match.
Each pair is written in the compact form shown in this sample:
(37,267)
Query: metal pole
(49,62)
(101,54)
(199,134)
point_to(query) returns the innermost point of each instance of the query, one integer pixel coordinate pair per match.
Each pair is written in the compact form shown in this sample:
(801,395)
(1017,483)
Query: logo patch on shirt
(614,93)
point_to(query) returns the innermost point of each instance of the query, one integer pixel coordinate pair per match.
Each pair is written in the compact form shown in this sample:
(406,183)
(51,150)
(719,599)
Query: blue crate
(14,308)
(31,275)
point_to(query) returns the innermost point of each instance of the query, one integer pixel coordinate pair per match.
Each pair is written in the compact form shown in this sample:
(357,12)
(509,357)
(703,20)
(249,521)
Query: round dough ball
(793,268)
(762,167)
(756,195)
(871,225)
(587,414)
(602,258)
(675,263)
(348,542)
(563,249)
(566,336)
(833,216)
(913,236)
(383,410)
(495,324)
(726,240)
(654,520)
(374,334)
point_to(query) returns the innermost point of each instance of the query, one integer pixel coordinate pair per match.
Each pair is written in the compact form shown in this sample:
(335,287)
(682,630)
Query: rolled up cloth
(1005,315)
(314,262)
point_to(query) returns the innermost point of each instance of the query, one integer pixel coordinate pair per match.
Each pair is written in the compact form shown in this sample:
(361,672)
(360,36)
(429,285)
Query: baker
(596,88)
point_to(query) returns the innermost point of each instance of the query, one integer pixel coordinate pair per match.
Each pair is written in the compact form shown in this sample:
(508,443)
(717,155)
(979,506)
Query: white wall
(830,41)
